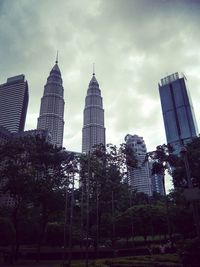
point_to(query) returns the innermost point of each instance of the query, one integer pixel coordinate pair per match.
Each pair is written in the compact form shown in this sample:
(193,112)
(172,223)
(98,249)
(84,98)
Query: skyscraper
(13,103)
(93,132)
(178,114)
(139,178)
(13,107)
(157,181)
(157,184)
(52,106)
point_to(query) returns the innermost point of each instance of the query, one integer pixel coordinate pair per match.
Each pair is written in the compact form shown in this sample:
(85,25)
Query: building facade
(157,184)
(52,107)
(14,98)
(178,114)
(157,181)
(139,178)
(93,132)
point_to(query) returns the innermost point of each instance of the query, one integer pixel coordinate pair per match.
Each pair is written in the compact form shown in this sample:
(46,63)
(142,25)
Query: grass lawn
(165,260)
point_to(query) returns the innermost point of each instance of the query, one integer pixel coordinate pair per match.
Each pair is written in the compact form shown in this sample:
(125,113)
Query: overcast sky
(134,43)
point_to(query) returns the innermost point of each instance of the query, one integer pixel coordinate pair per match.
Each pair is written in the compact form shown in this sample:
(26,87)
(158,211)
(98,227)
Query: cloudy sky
(134,43)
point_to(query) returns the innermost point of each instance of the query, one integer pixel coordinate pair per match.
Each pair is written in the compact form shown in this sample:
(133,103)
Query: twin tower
(52,112)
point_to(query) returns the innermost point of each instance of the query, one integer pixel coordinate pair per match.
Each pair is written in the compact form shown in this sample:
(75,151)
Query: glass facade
(178,114)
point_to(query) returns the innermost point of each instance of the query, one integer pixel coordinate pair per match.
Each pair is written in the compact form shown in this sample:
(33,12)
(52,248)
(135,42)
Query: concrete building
(139,178)
(52,107)
(14,98)
(178,114)
(93,132)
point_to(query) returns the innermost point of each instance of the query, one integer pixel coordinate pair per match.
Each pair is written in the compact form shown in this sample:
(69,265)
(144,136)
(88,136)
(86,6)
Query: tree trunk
(41,236)
(17,239)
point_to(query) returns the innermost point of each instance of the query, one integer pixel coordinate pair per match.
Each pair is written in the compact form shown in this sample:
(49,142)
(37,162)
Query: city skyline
(133,44)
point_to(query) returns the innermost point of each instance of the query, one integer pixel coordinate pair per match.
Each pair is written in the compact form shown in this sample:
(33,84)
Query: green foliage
(137,217)
(40,177)
(166,260)
(162,159)
(33,172)
(193,155)
(102,172)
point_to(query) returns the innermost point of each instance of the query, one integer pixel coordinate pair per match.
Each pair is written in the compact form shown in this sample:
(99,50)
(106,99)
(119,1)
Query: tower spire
(93,69)
(57,57)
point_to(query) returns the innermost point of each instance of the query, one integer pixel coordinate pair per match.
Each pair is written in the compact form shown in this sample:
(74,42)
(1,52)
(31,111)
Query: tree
(16,179)
(143,217)
(105,168)
(52,169)
(163,159)
(33,173)
(193,155)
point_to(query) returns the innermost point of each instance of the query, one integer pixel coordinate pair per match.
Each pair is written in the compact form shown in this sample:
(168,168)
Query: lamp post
(87,211)
(167,209)
(65,225)
(71,222)
(190,189)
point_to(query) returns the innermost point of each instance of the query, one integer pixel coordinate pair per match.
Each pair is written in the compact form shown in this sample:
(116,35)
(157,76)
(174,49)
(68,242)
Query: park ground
(158,260)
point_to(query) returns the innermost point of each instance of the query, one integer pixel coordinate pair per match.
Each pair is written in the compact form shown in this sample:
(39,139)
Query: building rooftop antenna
(93,68)
(57,57)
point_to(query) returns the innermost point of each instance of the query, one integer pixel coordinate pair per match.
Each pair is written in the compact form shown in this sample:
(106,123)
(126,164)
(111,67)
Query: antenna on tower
(57,57)
(93,69)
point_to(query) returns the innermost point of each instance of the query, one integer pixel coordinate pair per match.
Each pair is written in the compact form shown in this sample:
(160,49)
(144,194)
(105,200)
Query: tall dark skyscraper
(52,107)
(93,132)
(178,114)
(14,98)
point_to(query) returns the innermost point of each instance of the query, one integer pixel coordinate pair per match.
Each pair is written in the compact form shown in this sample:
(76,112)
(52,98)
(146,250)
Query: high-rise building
(52,107)
(139,177)
(178,114)
(13,103)
(13,108)
(157,181)
(93,132)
